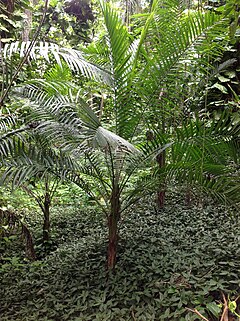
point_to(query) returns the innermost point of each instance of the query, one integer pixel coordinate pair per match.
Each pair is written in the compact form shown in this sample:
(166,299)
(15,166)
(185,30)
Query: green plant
(221,310)
(43,200)
(107,162)
(179,257)
(12,224)
(103,162)
(11,19)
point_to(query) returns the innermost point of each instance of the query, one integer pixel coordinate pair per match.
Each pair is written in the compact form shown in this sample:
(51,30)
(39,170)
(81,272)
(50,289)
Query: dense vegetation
(119,151)
(172,262)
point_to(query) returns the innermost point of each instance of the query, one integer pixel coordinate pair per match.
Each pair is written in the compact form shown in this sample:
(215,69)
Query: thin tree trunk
(113,220)
(101,107)
(188,197)
(27,25)
(46,223)
(26,33)
(30,251)
(161,159)
(112,242)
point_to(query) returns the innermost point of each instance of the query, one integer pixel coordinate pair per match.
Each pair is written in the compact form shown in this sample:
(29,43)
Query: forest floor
(168,261)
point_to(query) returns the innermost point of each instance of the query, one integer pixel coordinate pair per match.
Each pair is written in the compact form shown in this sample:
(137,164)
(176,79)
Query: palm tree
(104,162)
(44,199)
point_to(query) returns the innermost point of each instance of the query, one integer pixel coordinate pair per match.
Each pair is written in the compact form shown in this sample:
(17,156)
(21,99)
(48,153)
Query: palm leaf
(52,52)
(123,59)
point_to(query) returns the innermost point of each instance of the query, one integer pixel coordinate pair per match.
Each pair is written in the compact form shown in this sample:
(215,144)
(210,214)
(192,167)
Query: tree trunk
(188,197)
(112,242)
(46,222)
(27,25)
(161,159)
(26,33)
(113,228)
(30,251)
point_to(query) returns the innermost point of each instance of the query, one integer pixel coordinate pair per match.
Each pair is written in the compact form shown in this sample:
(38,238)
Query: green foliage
(67,22)
(51,52)
(180,257)
(11,19)
(65,136)
(156,77)
(12,225)
(16,200)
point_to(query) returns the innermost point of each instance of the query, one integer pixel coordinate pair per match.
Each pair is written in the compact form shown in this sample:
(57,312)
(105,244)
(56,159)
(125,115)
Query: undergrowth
(168,260)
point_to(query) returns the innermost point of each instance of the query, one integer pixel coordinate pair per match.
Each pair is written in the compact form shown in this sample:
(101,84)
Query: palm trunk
(30,251)
(112,242)
(46,222)
(188,197)
(113,220)
(161,159)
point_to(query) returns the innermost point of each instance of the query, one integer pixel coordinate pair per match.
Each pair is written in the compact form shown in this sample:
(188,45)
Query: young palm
(102,161)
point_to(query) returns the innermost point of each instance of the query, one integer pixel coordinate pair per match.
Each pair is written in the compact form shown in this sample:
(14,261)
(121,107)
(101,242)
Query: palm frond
(69,121)
(7,121)
(52,52)
(181,58)
(123,59)
(204,155)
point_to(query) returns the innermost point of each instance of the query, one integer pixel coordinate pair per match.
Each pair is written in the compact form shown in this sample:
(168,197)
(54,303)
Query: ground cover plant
(181,257)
